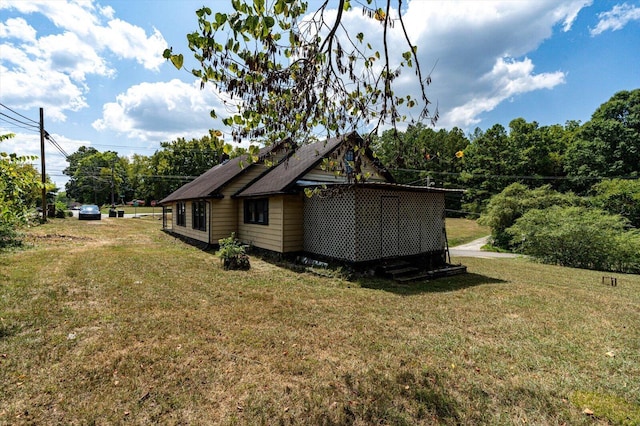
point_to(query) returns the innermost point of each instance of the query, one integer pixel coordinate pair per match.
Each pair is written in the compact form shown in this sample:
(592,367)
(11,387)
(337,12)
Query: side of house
(265,204)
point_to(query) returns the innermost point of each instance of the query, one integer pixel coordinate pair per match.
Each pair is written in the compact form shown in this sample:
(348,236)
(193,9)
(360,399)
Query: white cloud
(476,49)
(131,42)
(52,70)
(17,28)
(508,78)
(616,18)
(162,111)
(479,51)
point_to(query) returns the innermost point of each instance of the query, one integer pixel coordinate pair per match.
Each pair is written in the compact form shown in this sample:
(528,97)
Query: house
(266,204)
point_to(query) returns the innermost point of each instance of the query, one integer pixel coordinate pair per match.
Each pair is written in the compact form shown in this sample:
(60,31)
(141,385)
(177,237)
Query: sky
(96,67)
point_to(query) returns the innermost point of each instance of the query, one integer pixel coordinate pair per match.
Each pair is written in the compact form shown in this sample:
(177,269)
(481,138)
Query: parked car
(89,212)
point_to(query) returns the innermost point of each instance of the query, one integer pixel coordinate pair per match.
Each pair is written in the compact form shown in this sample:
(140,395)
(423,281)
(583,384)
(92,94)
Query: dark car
(89,212)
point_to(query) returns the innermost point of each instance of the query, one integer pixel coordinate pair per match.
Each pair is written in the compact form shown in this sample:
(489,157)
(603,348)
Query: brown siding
(293,223)
(224,219)
(188,230)
(263,236)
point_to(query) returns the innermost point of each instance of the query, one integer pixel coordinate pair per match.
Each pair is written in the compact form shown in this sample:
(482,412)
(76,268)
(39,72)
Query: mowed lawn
(115,322)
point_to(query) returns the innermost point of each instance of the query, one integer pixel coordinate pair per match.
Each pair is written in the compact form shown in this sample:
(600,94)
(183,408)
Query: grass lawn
(113,321)
(462,231)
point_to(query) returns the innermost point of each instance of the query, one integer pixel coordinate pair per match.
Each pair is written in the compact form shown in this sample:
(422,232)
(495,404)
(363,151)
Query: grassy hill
(116,322)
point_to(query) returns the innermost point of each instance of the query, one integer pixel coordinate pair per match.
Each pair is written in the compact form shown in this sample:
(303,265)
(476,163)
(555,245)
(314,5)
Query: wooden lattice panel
(329,225)
(364,224)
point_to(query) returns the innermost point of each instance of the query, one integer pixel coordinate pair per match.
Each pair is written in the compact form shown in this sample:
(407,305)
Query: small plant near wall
(233,254)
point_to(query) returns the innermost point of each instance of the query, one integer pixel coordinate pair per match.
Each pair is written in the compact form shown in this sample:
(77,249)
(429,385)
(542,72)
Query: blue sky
(96,66)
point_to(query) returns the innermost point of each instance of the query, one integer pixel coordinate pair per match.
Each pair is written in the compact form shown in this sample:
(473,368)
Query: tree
(488,164)
(609,144)
(528,154)
(288,72)
(95,177)
(422,154)
(182,160)
(20,188)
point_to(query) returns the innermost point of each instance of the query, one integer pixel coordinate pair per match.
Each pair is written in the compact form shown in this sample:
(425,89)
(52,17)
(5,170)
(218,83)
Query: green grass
(139,210)
(113,321)
(462,231)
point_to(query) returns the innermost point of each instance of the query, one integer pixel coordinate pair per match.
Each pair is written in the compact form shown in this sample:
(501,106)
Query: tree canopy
(609,144)
(288,71)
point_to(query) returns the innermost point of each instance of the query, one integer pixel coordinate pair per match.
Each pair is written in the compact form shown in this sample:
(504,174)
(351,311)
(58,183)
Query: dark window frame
(181,213)
(199,215)
(349,159)
(256,211)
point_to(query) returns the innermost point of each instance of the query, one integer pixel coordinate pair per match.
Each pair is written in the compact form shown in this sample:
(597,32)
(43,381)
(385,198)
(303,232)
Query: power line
(37,123)
(12,124)
(53,142)
(19,121)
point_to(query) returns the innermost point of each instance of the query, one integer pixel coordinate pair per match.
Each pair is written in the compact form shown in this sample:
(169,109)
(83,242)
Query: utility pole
(44,175)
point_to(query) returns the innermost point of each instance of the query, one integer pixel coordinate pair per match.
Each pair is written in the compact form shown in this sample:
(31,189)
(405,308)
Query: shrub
(578,237)
(61,210)
(619,196)
(233,253)
(514,201)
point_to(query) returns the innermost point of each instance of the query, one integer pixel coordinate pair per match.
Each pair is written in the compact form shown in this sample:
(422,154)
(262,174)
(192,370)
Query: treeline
(105,177)
(570,157)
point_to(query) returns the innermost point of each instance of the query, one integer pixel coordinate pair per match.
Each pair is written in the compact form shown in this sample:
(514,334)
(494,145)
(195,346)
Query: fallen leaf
(588,412)
(611,354)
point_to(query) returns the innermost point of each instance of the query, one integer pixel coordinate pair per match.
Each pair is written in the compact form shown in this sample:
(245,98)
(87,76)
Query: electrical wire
(19,121)
(18,114)
(12,124)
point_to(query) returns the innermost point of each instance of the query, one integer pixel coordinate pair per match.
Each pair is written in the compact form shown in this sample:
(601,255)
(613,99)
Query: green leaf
(221,18)
(258,6)
(177,60)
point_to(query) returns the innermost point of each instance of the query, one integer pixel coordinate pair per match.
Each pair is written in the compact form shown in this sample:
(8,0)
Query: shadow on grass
(444,284)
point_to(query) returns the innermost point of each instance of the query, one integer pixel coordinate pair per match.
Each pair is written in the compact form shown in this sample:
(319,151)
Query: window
(181,217)
(256,211)
(348,161)
(198,213)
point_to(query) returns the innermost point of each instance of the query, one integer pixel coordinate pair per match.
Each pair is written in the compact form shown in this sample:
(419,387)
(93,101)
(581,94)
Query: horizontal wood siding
(188,230)
(224,217)
(293,223)
(337,164)
(263,236)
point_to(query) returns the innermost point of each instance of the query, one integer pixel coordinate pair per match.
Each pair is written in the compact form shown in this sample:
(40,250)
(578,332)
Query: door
(389,223)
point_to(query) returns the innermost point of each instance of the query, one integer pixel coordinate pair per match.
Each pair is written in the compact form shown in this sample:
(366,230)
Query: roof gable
(282,177)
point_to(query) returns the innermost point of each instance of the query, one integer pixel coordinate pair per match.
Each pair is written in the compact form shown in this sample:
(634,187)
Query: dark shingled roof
(283,177)
(213,180)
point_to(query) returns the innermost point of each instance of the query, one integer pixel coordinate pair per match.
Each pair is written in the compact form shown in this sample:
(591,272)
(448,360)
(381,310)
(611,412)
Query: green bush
(514,201)
(233,253)
(61,210)
(619,196)
(578,237)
